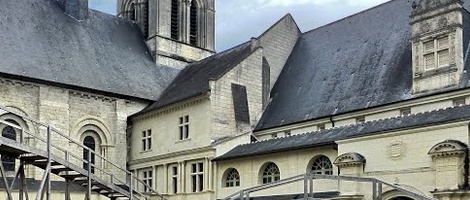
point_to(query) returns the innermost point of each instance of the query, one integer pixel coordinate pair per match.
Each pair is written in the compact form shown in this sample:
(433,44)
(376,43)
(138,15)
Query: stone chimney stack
(77,9)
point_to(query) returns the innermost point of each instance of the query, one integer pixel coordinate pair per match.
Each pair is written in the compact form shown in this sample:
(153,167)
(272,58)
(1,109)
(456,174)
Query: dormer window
(193,23)
(436,53)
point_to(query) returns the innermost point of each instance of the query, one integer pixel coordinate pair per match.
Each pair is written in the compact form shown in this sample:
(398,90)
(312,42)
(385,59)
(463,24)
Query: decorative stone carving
(447,148)
(426,27)
(396,150)
(349,159)
(442,22)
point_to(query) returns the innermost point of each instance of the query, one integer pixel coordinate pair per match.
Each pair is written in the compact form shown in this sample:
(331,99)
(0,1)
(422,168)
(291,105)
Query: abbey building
(372,106)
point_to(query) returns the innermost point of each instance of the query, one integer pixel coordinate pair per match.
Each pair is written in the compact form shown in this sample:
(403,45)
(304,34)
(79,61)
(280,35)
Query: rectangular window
(197,177)
(436,53)
(184,127)
(174,179)
(459,102)
(405,111)
(360,119)
(147,177)
(147,140)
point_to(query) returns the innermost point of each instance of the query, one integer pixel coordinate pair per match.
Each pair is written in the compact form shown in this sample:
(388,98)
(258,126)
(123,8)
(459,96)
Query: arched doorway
(89,142)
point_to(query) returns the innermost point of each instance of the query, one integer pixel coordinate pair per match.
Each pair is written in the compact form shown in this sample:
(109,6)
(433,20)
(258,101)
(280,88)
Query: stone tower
(177,31)
(437,37)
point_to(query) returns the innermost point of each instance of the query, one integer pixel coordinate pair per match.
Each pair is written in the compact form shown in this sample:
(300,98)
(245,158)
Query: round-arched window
(89,142)
(322,165)
(271,173)
(9,132)
(232,178)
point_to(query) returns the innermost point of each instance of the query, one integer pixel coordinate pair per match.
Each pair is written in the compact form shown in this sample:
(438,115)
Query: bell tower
(177,32)
(437,42)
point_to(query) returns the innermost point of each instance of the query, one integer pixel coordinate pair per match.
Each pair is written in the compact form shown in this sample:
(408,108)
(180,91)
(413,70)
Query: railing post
(89,176)
(379,191)
(305,187)
(131,189)
(242,194)
(374,190)
(48,194)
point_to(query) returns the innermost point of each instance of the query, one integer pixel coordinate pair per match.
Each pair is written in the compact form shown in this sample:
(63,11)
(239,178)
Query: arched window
(175,19)
(9,132)
(322,165)
(89,142)
(271,173)
(193,23)
(232,178)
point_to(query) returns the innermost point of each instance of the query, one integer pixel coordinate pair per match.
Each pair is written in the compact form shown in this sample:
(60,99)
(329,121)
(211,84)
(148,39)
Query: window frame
(435,51)
(270,173)
(174,178)
(147,178)
(197,177)
(147,140)
(319,163)
(232,178)
(183,128)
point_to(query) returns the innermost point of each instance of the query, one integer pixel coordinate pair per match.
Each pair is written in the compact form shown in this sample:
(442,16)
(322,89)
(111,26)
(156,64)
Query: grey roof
(359,62)
(102,53)
(194,79)
(330,136)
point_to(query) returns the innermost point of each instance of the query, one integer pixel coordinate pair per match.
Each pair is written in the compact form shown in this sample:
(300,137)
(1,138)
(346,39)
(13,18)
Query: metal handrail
(127,174)
(241,194)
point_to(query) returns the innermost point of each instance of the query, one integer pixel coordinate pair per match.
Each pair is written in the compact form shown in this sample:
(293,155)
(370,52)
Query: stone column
(165,179)
(351,164)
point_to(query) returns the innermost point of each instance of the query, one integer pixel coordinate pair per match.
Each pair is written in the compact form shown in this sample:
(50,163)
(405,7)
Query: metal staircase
(308,180)
(48,149)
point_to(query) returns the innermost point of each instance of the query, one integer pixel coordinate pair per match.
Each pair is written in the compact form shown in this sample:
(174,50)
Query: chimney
(254,43)
(77,9)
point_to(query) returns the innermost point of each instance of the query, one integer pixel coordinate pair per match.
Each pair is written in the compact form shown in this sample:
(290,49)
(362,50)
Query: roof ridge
(350,16)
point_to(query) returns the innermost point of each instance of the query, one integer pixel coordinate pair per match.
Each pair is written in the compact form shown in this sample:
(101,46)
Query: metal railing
(66,151)
(308,180)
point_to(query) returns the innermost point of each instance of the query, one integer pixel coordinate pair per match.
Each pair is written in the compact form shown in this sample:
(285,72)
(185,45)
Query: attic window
(405,111)
(175,19)
(459,102)
(321,127)
(360,119)
(436,53)
(193,23)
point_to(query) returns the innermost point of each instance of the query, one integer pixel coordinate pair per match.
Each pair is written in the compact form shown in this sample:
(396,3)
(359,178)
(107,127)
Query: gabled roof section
(102,53)
(358,62)
(194,80)
(330,136)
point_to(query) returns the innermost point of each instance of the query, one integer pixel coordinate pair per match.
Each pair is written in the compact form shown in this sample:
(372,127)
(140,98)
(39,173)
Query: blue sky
(239,20)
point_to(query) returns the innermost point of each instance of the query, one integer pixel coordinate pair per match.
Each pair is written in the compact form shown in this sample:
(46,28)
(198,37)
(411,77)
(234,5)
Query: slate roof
(103,53)
(359,62)
(329,136)
(194,79)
